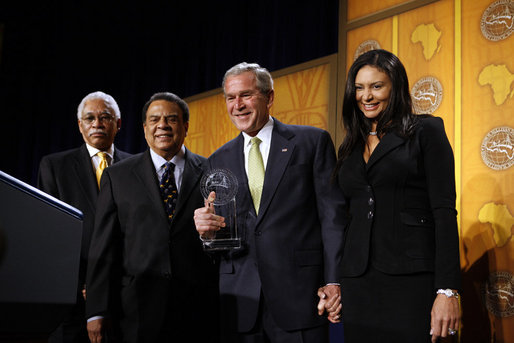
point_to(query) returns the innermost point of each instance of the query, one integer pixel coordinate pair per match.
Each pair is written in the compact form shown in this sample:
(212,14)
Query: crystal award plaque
(224,183)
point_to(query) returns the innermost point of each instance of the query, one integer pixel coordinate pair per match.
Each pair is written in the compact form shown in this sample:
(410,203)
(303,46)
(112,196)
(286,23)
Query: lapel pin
(284,150)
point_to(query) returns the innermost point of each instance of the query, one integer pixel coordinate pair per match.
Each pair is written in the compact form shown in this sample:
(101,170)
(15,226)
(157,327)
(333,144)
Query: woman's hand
(445,317)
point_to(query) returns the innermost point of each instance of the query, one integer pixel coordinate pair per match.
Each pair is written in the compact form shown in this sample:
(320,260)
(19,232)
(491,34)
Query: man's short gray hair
(109,101)
(263,76)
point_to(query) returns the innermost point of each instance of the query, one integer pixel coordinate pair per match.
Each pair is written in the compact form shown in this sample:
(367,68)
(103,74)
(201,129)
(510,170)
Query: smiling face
(98,124)
(165,129)
(247,107)
(372,91)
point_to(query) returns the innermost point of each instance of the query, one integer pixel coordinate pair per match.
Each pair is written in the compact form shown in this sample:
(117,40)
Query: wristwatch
(448,292)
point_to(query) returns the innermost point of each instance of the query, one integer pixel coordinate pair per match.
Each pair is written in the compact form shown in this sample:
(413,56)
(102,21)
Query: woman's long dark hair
(397,117)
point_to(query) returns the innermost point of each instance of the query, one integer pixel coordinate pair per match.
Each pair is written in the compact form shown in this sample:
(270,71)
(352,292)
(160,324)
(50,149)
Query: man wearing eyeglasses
(73,176)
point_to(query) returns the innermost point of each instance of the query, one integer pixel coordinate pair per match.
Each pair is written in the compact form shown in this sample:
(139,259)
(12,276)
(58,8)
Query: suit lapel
(116,157)
(145,172)
(237,166)
(190,178)
(387,143)
(281,150)
(85,176)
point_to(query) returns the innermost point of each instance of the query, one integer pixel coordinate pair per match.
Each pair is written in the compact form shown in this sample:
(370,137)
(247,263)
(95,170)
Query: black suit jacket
(402,206)
(70,177)
(138,261)
(293,246)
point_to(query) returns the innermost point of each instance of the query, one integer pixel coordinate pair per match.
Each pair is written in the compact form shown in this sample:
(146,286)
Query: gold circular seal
(497,21)
(427,95)
(499,294)
(498,148)
(365,47)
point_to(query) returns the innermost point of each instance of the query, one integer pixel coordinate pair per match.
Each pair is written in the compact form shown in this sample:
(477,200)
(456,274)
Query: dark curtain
(54,53)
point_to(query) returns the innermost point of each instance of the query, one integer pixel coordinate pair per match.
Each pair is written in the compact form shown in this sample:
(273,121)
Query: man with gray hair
(73,176)
(289,217)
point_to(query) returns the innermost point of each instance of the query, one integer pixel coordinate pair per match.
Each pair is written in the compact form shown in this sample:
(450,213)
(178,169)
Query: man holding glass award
(274,217)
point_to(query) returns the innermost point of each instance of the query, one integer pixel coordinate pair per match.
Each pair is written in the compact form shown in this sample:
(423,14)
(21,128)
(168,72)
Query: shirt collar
(93,151)
(264,134)
(178,160)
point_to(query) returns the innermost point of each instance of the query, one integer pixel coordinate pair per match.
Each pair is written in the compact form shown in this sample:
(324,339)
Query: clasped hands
(330,302)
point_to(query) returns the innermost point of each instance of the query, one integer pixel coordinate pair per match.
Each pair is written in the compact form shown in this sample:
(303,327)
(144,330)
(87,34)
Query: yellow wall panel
(488,193)
(302,98)
(481,114)
(380,31)
(426,48)
(358,8)
(209,125)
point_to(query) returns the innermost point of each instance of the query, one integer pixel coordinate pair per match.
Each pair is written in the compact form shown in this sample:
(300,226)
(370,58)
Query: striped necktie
(255,172)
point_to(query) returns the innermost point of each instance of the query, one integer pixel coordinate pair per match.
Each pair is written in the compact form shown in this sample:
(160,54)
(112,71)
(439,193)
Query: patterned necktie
(255,172)
(101,166)
(168,189)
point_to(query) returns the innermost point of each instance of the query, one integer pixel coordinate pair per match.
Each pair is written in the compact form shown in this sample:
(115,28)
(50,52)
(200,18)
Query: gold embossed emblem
(427,94)
(497,21)
(498,148)
(365,47)
(499,294)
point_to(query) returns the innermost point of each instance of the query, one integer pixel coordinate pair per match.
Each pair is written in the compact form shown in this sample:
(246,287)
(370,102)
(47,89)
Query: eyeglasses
(103,119)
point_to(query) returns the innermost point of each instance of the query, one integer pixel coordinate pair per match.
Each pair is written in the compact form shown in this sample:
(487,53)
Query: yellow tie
(101,166)
(255,173)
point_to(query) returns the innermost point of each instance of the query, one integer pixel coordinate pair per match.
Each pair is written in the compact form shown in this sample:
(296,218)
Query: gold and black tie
(168,189)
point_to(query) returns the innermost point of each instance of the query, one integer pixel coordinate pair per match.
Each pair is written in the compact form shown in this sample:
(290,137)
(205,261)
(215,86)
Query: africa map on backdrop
(428,36)
(501,81)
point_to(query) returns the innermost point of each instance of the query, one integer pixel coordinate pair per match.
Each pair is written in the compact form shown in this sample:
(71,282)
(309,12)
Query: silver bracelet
(448,292)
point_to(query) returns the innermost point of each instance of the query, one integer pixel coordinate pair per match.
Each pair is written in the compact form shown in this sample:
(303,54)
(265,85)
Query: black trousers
(267,331)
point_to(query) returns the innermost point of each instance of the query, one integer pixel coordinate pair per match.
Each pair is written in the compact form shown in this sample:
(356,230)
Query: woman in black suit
(401,269)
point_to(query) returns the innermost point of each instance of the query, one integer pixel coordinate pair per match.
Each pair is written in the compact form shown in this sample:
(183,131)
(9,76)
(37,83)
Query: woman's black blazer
(402,206)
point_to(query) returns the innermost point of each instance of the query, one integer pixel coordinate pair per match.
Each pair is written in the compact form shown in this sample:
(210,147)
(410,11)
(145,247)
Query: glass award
(224,183)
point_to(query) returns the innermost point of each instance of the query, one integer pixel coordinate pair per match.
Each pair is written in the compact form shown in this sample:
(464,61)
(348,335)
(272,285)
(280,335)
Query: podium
(40,240)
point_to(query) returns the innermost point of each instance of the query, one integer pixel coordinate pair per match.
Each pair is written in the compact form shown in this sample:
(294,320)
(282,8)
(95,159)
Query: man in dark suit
(289,217)
(71,177)
(147,270)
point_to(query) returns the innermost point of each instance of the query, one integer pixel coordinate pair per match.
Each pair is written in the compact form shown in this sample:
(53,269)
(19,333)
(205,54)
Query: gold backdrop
(459,55)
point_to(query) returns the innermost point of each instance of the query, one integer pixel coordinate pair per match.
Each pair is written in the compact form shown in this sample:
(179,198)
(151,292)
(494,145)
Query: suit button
(370,214)
(371,201)
(258,233)
(368,188)
(423,220)
(166,275)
